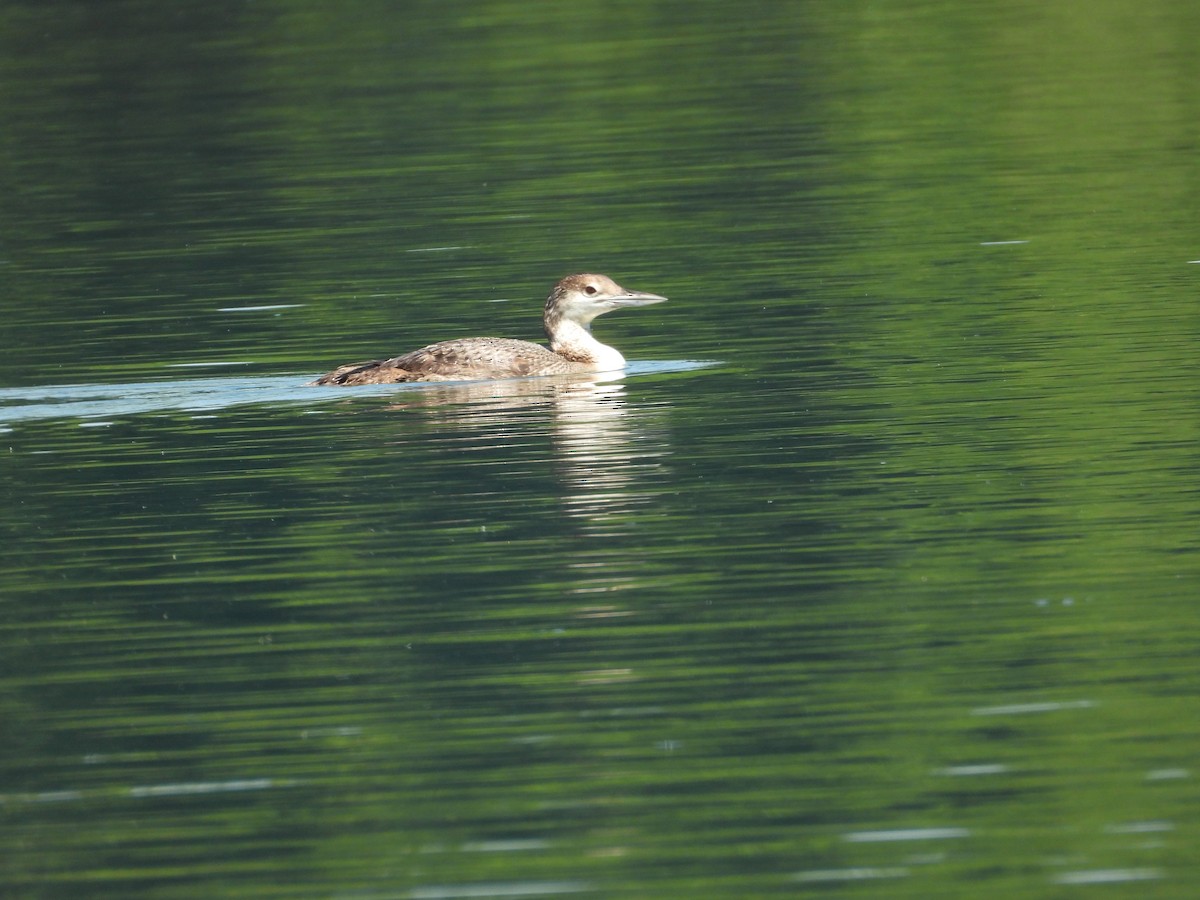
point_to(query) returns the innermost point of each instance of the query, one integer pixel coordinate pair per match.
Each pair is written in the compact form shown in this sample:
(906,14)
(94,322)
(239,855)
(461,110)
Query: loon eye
(591,290)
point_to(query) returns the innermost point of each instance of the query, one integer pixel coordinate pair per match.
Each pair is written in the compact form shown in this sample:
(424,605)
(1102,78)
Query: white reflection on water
(1107,876)
(500,889)
(1140,827)
(1021,709)
(905,834)
(972,770)
(1167,774)
(181,789)
(860,873)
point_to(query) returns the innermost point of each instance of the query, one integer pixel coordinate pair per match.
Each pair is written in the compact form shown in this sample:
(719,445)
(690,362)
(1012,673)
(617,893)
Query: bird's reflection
(606,455)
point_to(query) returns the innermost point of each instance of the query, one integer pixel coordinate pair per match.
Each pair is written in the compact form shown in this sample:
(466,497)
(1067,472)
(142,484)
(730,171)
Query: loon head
(580,298)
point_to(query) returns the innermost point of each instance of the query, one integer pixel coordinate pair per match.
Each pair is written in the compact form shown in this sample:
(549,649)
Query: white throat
(575,342)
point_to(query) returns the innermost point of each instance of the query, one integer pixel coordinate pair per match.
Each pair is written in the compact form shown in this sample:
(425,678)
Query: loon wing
(486,357)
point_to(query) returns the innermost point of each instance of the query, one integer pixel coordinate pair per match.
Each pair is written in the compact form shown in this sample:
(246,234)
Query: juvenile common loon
(570,308)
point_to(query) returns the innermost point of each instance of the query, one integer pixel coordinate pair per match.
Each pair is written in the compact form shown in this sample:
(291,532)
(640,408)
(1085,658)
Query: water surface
(893,597)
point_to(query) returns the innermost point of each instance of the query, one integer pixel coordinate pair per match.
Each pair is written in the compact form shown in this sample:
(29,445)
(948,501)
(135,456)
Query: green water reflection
(897,599)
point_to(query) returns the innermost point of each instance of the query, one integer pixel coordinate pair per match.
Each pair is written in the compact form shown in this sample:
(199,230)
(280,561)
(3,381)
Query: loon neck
(575,342)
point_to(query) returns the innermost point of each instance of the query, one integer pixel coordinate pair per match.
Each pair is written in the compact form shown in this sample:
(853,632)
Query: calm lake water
(876,575)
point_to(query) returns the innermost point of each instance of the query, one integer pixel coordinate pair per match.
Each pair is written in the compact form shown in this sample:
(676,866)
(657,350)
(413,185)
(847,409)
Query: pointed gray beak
(635,298)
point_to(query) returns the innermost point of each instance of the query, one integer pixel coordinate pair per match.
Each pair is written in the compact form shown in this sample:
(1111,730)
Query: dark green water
(896,598)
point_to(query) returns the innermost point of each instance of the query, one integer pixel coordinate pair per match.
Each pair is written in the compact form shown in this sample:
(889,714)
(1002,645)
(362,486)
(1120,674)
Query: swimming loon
(570,308)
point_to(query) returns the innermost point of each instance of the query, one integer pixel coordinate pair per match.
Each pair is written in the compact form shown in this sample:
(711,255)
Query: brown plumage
(570,308)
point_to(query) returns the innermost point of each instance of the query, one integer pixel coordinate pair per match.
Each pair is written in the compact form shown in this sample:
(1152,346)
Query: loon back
(464,359)
(575,301)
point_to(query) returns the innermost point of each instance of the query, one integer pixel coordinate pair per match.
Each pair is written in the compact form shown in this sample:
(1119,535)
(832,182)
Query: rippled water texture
(875,575)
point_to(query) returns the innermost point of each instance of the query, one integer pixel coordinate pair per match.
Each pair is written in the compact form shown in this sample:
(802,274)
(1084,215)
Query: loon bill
(570,308)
